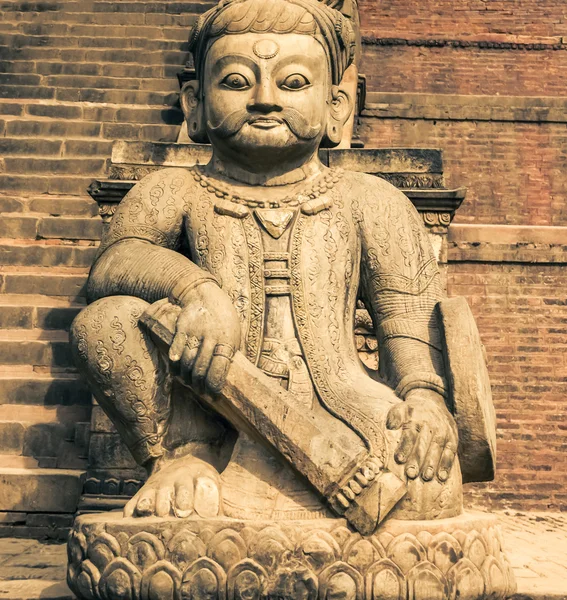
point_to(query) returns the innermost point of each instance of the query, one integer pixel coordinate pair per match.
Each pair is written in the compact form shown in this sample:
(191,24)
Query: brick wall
(74,76)
(465,18)
(483,81)
(395,66)
(521,311)
(516,173)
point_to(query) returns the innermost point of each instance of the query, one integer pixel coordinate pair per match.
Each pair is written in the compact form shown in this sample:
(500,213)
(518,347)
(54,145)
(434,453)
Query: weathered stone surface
(35,590)
(40,490)
(258,327)
(471,396)
(65,283)
(43,390)
(46,255)
(276,558)
(70,228)
(11,437)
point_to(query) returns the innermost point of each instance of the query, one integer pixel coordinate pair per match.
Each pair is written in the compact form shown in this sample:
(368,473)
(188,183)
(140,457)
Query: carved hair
(309,17)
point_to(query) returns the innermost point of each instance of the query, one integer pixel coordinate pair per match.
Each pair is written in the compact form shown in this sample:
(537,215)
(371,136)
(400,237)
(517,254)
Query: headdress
(331,28)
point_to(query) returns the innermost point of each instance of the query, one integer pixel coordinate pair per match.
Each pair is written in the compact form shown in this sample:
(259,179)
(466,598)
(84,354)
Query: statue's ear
(340,109)
(193,110)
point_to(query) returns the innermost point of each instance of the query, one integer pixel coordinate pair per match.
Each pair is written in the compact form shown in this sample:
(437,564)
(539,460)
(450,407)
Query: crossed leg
(131,381)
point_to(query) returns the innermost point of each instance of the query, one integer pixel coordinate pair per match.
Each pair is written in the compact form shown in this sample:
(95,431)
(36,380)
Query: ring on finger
(224,350)
(192,343)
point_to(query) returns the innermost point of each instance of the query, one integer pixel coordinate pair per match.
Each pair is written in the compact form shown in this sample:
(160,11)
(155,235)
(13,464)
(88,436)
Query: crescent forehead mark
(266,49)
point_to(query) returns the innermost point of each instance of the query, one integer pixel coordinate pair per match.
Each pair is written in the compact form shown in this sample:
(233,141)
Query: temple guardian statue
(240,279)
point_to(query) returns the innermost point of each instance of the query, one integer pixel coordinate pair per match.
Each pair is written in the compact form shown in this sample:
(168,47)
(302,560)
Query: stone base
(154,558)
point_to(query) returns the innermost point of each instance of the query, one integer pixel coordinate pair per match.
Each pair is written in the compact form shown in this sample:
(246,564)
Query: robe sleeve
(400,286)
(138,255)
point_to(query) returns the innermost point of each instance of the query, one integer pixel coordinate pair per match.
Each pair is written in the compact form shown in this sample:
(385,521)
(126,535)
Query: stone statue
(241,279)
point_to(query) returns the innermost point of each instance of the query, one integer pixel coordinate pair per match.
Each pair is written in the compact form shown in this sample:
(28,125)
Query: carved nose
(264,100)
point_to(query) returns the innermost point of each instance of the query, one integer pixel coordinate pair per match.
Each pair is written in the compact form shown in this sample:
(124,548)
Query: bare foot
(178,488)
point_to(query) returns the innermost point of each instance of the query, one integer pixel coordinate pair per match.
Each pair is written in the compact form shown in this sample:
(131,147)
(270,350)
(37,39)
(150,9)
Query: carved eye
(236,81)
(295,82)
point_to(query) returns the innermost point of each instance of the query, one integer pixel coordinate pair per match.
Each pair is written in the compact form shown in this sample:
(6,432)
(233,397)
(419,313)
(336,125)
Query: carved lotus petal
(246,581)
(121,579)
(294,582)
(444,551)
(184,548)
(204,580)
(361,555)
(270,546)
(145,550)
(227,548)
(406,551)
(76,548)
(475,549)
(86,582)
(495,579)
(385,581)
(426,582)
(320,550)
(161,580)
(103,550)
(341,582)
(465,581)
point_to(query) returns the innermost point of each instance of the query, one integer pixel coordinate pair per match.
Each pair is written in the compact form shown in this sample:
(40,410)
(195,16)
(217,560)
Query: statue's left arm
(401,285)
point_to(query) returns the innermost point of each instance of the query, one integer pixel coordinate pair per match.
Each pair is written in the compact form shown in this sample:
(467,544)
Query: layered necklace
(322,184)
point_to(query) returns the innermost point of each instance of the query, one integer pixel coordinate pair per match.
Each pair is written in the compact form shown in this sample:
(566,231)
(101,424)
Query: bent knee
(105,318)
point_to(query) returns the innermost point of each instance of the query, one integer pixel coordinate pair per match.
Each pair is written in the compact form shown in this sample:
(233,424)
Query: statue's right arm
(138,256)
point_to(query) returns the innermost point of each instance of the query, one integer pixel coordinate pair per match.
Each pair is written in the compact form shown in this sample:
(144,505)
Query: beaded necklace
(322,184)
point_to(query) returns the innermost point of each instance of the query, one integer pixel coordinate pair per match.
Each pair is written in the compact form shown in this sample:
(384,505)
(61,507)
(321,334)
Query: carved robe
(364,240)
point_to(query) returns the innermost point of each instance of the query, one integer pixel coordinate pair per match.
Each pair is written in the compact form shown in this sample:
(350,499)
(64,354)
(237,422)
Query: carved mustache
(234,122)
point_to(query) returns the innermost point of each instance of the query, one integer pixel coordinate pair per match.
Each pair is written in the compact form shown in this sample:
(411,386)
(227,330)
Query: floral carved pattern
(233,560)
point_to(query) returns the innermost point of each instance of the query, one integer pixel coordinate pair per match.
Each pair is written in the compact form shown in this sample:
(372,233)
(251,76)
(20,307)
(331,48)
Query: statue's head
(269,77)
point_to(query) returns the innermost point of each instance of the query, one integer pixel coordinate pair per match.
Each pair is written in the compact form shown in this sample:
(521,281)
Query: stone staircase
(75,75)
(44,406)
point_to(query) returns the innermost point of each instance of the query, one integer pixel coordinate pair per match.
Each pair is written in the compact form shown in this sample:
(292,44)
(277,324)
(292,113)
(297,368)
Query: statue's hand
(428,444)
(206,338)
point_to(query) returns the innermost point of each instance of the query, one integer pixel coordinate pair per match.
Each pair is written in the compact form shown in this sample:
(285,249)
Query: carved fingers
(178,490)
(428,442)
(207,336)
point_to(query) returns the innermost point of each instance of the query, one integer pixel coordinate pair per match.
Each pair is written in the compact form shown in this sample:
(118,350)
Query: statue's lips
(265,122)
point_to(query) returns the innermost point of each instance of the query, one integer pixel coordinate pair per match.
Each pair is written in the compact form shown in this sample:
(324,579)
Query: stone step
(40,490)
(45,184)
(36,347)
(54,66)
(41,254)
(24,386)
(49,204)
(35,110)
(41,226)
(30,311)
(18,462)
(67,282)
(69,228)
(114,96)
(42,432)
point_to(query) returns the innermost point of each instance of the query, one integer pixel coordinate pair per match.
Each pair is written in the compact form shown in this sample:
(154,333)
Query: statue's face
(266,92)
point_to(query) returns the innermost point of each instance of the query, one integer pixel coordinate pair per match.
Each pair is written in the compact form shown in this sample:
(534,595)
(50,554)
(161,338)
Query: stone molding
(518,44)
(507,244)
(232,559)
(461,107)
